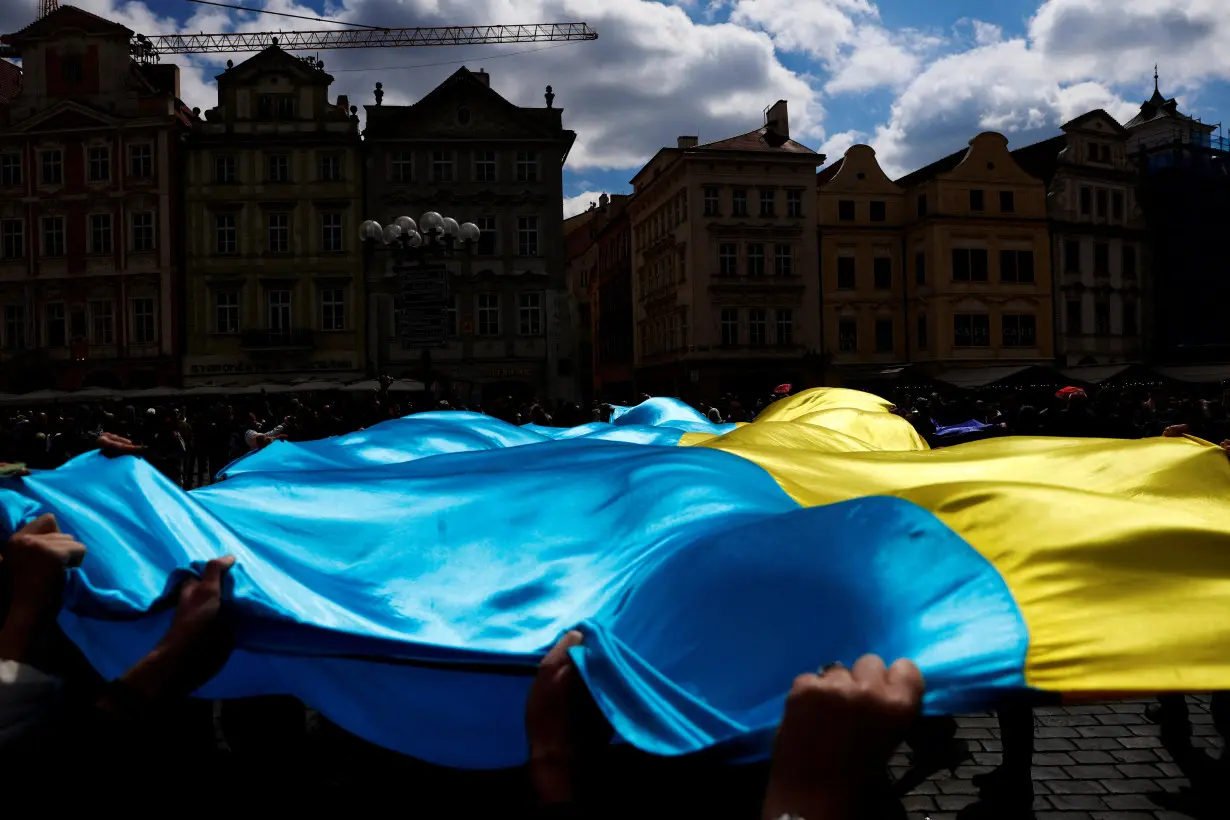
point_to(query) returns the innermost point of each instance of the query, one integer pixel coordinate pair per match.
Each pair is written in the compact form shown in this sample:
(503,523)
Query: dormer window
(275,107)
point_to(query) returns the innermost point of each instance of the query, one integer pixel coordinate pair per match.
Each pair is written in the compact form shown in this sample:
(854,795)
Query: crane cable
(287,14)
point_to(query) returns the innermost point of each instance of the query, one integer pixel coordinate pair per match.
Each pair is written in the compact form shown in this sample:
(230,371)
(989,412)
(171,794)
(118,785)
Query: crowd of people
(838,729)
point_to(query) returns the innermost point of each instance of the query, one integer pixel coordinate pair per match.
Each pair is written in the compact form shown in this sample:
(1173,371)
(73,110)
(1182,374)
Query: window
(1075,323)
(785,326)
(845,210)
(922,205)
(847,336)
(738,202)
(487,244)
(226,169)
(729,321)
(711,202)
(330,167)
(401,166)
(279,233)
(728,259)
(488,309)
(1128,266)
(755,259)
(529,314)
(51,167)
(921,334)
(15,327)
(275,107)
(142,223)
(977,200)
(1007,202)
(98,164)
(278,313)
(846,278)
(484,166)
(55,332)
(1101,317)
(141,161)
(794,203)
(783,260)
(10,170)
(920,268)
(12,239)
(1116,205)
(226,311)
(1016,266)
(1091,152)
(100,233)
(527,236)
(883,272)
(102,322)
(1019,330)
(884,335)
(144,328)
(758,327)
(1100,198)
(1086,201)
(1072,256)
(53,235)
(1101,259)
(332,309)
(1131,326)
(452,322)
(766,202)
(441,166)
(969,264)
(971,330)
(879,211)
(78,324)
(331,232)
(527,166)
(226,234)
(72,70)
(277,168)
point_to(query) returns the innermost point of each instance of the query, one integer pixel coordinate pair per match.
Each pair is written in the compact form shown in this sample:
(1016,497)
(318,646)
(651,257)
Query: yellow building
(274,286)
(723,249)
(861,219)
(979,289)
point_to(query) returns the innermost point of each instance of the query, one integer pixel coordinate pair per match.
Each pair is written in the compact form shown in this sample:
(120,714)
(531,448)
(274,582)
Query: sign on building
(422,310)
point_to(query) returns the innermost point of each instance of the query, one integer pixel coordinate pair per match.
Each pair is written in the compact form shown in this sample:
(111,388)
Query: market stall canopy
(976,378)
(1197,373)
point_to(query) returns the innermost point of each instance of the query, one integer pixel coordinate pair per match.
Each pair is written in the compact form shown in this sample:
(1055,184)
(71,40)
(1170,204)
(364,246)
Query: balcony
(296,338)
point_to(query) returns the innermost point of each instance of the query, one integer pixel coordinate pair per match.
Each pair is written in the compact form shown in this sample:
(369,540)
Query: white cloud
(836,145)
(816,27)
(580,203)
(986,33)
(875,58)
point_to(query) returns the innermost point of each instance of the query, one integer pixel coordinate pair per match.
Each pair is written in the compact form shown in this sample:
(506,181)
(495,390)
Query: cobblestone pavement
(1094,762)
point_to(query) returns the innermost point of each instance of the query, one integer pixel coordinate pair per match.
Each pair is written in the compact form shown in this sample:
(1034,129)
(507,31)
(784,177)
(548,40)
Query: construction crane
(151,49)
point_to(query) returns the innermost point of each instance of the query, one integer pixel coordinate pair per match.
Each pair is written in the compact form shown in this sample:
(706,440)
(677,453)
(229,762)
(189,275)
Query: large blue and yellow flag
(406,579)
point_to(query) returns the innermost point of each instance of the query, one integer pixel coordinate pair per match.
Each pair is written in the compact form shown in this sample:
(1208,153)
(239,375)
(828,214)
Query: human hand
(36,556)
(839,727)
(197,644)
(563,725)
(113,446)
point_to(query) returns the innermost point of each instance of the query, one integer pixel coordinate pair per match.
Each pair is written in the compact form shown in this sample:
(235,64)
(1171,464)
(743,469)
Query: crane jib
(362,38)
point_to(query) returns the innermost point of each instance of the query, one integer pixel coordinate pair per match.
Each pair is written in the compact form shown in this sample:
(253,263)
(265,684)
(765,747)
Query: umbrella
(783,389)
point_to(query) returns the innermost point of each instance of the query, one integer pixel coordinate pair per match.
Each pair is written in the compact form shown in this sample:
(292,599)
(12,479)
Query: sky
(915,79)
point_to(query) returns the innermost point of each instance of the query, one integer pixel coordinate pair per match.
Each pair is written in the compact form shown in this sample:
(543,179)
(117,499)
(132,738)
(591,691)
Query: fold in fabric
(406,579)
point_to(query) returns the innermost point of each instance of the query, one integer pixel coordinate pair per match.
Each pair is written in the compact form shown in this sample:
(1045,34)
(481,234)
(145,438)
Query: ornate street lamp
(423,285)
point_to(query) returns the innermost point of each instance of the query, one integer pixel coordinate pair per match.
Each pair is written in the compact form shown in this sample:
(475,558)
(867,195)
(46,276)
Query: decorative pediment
(273,60)
(65,116)
(989,160)
(860,172)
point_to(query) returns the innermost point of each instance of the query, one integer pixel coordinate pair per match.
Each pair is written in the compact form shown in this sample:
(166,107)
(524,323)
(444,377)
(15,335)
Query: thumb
(216,569)
(43,525)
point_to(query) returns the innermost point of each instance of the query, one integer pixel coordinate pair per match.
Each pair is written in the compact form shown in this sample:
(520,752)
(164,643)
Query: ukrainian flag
(406,579)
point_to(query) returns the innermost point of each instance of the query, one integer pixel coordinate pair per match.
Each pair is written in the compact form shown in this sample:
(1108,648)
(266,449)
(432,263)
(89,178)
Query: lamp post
(414,246)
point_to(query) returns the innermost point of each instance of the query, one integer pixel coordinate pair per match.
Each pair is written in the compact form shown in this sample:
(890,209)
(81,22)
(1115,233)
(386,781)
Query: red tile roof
(10,81)
(762,139)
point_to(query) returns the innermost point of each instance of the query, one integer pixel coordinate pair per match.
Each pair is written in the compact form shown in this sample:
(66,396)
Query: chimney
(483,77)
(688,142)
(604,201)
(777,119)
(164,77)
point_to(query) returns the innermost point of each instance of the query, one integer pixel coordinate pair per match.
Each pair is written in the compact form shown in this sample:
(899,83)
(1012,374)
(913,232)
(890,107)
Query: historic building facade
(274,193)
(90,258)
(1098,242)
(723,261)
(979,264)
(861,216)
(612,307)
(466,152)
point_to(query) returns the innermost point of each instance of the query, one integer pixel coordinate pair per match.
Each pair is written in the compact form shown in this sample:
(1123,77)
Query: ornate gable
(464,107)
(861,173)
(988,160)
(68,18)
(274,60)
(65,116)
